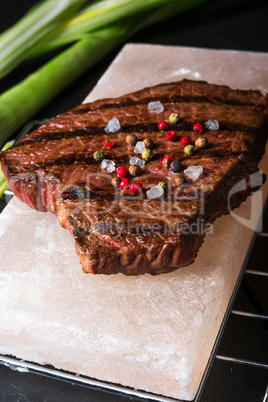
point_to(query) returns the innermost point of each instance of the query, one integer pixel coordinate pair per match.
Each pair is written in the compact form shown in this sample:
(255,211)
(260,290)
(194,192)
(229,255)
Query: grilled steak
(119,230)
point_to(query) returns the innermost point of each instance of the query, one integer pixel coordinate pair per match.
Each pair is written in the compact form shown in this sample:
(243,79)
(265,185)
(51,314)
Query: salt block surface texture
(150,333)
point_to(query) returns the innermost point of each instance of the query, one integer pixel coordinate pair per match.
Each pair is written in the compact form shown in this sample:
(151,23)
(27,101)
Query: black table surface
(239,367)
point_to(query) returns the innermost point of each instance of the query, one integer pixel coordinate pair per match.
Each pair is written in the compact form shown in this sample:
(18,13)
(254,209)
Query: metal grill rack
(239,371)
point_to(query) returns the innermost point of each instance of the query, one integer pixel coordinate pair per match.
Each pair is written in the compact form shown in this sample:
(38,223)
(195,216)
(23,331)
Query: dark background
(238,25)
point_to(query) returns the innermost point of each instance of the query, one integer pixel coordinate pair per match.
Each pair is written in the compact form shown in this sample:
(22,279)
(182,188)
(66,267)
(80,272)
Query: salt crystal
(139,147)
(113,126)
(136,161)
(107,166)
(212,124)
(155,107)
(193,172)
(155,192)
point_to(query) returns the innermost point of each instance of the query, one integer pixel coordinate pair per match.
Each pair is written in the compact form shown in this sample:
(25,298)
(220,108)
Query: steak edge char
(53,169)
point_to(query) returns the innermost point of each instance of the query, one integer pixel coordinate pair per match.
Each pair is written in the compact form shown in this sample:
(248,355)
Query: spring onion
(103,12)
(33,30)
(3,182)
(3,186)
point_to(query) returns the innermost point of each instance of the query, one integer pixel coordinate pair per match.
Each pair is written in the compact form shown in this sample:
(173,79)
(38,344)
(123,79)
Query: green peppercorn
(148,143)
(135,170)
(174,118)
(201,142)
(189,149)
(147,154)
(131,139)
(98,156)
(163,184)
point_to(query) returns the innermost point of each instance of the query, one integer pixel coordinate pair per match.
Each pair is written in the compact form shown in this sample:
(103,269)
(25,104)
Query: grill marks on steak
(183,126)
(53,169)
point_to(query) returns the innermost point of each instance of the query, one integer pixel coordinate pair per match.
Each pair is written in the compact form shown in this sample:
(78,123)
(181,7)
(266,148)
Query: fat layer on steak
(53,169)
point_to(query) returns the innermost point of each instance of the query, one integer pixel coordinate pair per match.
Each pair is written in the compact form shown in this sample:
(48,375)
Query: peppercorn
(108,144)
(115,182)
(147,154)
(135,170)
(198,127)
(189,149)
(148,143)
(163,125)
(185,141)
(175,167)
(121,171)
(135,187)
(124,183)
(179,180)
(171,136)
(131,139)
(201,142)
(174,118)
(166,161)
(163,184)
(98,156)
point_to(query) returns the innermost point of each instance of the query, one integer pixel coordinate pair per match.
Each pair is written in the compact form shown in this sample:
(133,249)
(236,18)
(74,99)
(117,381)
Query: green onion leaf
(34,30)
(3,182)
(101,13)
(3,187)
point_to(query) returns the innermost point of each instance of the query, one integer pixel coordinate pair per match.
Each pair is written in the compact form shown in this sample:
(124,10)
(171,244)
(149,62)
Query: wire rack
(238,371)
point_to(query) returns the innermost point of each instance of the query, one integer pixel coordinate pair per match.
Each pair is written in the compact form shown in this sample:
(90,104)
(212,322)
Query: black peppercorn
(175,167)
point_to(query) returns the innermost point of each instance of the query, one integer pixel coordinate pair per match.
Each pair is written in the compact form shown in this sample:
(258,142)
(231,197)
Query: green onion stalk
(101,13)
(34,30)
(3,182)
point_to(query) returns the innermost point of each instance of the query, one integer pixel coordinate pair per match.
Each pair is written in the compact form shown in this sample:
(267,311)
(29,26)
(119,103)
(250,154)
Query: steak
(133,232)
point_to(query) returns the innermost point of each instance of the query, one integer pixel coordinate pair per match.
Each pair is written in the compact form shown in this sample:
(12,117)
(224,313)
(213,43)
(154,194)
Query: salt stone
(113,126)
(155,192)
(155,107)
(107,166)
(139,147)
(134,160)
(193,172)
(212,124)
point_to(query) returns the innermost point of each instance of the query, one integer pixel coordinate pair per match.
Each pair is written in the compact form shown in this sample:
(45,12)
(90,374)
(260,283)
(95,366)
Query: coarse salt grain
(139,147)
(193,172)
(113,126)
(107,166)
(134,160)
(212,124)
(155,192)
(155,107)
